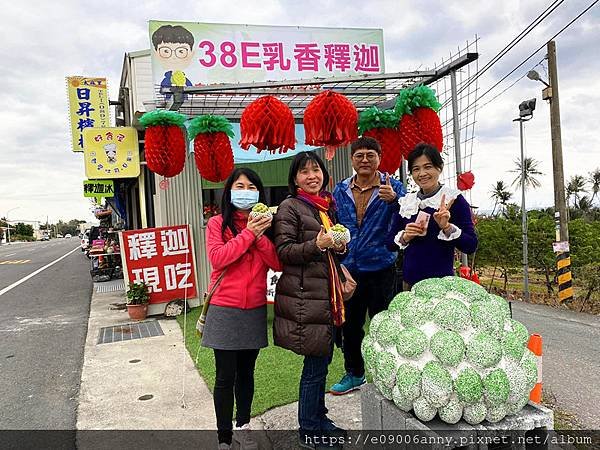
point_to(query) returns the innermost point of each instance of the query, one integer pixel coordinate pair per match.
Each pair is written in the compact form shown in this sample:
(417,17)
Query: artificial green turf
(277,373)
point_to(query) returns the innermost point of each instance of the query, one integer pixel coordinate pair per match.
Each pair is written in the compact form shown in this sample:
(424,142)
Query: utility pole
(551,93)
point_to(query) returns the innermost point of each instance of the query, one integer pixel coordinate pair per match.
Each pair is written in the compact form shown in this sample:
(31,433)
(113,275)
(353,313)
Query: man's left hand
(386,191)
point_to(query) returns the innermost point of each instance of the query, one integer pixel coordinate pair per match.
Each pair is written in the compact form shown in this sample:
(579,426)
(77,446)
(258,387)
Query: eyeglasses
(360,156)
(167,52)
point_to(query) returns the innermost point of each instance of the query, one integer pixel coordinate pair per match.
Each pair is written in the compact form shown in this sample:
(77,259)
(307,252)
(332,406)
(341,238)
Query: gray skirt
(235,329)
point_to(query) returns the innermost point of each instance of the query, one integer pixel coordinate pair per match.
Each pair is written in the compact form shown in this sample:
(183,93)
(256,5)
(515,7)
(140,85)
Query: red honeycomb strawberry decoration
(417,108)
(212,147)
(268,124)
(382,125)
(164,142)
(330,121)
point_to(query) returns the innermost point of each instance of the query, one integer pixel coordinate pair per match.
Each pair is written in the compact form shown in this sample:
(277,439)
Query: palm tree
(594,180)
(575,187)
(531,170)
(500,194)
(585,204)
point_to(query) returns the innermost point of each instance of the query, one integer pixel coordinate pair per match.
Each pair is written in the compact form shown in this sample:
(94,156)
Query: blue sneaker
(348,383)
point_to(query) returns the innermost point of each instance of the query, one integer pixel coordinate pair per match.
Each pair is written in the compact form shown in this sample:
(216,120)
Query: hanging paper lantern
(465,181)
(330,121)
(268,124)
(164,142)
(417,108)
(383,126)
(212,148)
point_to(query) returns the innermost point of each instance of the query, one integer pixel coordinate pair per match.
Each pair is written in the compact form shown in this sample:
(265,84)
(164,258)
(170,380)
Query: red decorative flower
(330,121)
(268,124)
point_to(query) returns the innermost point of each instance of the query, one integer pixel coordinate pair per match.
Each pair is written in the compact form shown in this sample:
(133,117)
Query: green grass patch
(277,374)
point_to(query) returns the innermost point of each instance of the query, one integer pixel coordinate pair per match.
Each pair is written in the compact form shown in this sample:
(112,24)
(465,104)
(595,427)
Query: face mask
(244,199)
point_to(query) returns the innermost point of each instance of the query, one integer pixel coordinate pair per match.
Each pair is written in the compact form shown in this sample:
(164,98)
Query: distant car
(45,237)
(59,235)
(68,236)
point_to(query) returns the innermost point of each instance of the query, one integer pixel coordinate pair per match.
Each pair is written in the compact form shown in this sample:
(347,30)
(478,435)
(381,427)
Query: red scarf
(322,202)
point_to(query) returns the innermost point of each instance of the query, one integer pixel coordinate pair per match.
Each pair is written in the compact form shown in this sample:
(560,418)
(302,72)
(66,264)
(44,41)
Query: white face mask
(244,198)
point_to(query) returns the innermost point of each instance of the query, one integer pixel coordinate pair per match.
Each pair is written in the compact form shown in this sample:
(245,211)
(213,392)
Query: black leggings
(235,372)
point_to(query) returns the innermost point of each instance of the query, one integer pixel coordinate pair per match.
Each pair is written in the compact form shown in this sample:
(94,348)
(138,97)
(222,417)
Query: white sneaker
(243,436)
(224,446)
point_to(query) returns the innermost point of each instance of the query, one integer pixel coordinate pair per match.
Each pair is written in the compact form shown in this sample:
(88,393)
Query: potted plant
(137,300)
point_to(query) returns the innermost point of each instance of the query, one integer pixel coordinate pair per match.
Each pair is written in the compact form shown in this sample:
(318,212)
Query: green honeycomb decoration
(448,348)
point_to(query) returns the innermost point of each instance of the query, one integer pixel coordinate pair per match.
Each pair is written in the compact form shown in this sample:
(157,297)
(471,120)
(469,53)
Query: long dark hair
(298,163)
(227,209)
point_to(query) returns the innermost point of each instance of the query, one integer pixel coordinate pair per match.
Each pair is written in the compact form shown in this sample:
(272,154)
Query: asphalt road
(43,324)
(571,357)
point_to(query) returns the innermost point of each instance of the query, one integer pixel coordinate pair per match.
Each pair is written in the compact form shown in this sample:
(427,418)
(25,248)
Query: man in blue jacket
(365,204)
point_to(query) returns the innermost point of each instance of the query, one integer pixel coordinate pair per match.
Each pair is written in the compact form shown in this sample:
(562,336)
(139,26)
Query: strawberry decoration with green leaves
(417,109)
(382,125)
(164,142)
(212,147)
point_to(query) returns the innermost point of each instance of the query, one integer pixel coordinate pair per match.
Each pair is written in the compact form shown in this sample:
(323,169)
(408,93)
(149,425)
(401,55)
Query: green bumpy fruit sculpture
(448,347)
(340,234)
(261,210)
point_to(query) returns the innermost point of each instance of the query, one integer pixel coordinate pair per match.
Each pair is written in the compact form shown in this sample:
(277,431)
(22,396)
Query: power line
(549,10)
(532,55)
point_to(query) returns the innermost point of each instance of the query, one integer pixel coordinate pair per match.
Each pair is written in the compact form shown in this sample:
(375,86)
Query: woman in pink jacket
(236,323)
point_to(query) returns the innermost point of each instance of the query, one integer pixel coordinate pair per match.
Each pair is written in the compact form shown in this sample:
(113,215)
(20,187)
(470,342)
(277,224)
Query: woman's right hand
(411,231)
(258,225)
(324,239)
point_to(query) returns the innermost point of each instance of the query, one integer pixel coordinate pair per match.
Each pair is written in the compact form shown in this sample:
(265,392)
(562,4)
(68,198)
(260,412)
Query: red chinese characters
(163,259)
(291,57)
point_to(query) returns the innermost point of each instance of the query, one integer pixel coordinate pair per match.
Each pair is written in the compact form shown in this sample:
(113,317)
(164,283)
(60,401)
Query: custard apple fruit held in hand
(261,210)
(449,348)
(340,234)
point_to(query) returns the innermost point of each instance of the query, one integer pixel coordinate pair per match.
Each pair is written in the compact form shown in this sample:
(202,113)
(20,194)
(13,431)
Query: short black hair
(365,142)
(227,208)
(170,34)
(298,163)
(430,151)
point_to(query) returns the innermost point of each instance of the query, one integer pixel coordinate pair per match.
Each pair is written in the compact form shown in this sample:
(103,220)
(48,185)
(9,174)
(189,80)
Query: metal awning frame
(364,91)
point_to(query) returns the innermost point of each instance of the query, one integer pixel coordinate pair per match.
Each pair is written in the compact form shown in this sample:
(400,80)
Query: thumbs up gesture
(386,191)
(442,215)
(324,239)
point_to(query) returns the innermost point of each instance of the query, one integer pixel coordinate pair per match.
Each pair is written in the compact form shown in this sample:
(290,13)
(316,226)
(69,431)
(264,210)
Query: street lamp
(8,223)
(526,109)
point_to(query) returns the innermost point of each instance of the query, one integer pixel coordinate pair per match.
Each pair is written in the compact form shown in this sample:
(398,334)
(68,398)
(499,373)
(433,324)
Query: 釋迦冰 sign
(98,189)
(162,258)
(111,152)
(88,107)
(191,53)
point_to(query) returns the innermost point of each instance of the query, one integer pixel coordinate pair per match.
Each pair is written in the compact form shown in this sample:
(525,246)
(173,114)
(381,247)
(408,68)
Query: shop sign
(88,107)
(192,54)
(98,189)
(163,258)
(111,152)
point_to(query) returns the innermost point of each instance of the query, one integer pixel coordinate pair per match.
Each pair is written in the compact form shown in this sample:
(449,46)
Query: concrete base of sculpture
(528,429)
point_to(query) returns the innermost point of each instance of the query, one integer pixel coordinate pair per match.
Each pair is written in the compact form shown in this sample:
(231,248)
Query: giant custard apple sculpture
(450,348)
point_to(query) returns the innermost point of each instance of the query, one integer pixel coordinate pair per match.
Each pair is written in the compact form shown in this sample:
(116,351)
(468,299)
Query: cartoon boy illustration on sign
(174,48)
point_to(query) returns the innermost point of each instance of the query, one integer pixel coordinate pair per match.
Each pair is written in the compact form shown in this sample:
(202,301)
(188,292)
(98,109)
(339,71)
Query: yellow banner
(111,153)
(88,107)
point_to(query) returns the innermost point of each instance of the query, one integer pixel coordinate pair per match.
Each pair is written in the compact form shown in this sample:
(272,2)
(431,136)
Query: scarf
(322,203)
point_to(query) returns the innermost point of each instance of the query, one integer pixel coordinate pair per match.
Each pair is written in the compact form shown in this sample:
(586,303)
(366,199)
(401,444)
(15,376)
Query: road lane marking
(16,261)
(33,274)
(10,254)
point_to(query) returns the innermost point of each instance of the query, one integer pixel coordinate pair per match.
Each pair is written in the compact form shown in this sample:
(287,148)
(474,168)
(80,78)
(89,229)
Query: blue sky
(42,42)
